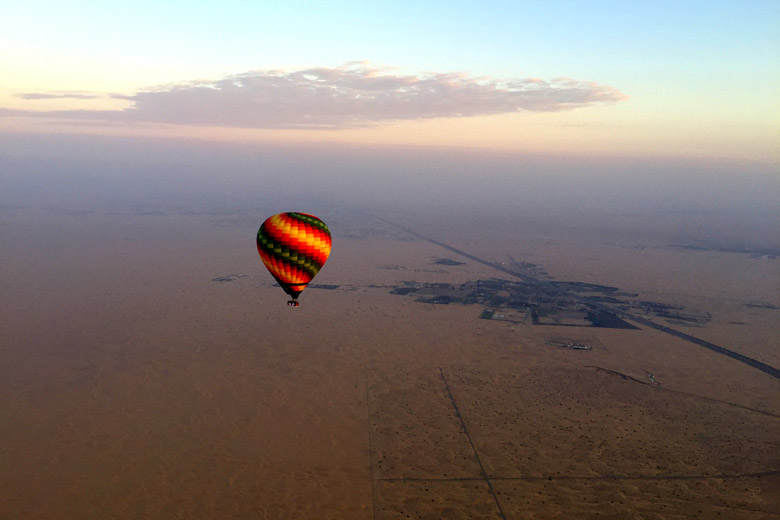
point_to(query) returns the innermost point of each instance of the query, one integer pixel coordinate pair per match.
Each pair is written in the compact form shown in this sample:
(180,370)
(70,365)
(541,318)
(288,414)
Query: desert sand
(151,369)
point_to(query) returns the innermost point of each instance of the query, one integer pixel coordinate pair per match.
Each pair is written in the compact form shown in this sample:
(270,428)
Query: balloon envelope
(294,247)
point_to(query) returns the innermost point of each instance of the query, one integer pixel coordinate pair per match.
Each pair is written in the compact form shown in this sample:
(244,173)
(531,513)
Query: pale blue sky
(610,40)
(712,63)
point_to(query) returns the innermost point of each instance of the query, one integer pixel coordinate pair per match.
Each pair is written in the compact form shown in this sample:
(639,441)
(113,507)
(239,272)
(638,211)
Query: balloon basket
(293,303)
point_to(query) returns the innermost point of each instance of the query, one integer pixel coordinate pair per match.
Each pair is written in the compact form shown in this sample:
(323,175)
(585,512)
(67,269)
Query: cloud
(348,96)
(58,95)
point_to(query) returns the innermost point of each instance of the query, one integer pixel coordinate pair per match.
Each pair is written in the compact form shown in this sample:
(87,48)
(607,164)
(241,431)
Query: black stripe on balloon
(310,221)
(277,236)
(267,243)
(266,240)
(312,269)
(275,233)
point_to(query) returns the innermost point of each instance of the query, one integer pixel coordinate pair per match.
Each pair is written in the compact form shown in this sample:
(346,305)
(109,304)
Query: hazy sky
(659,79)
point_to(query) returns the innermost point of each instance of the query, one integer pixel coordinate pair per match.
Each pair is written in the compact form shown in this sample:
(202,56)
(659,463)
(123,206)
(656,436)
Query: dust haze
(495,335)
(55,169)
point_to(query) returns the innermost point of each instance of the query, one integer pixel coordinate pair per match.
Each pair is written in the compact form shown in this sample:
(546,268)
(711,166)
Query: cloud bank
(348,96)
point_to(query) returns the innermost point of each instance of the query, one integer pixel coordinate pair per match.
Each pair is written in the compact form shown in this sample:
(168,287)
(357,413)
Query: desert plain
(149,368)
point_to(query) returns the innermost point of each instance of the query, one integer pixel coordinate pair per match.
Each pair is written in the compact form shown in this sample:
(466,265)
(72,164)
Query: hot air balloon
(293,247)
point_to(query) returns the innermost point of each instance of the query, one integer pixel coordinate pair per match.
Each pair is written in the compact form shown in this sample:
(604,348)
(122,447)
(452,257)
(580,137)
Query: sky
(691,80)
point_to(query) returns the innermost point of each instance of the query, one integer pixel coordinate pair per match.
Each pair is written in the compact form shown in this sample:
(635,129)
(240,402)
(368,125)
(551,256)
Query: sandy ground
(135,386)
